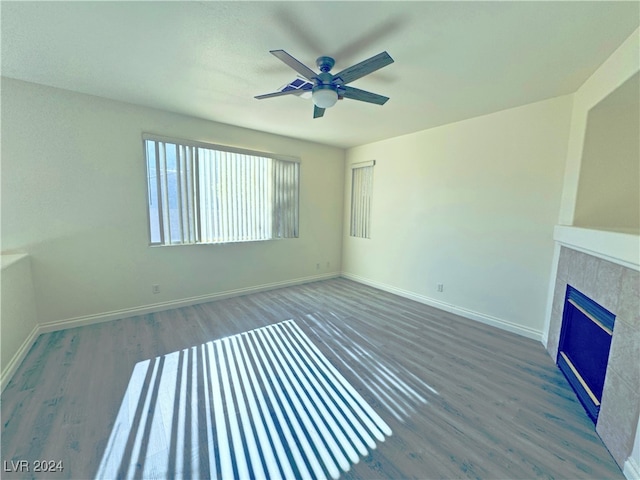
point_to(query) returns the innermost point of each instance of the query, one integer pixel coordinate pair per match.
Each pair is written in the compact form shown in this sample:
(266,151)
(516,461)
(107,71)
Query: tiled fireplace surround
(616,288)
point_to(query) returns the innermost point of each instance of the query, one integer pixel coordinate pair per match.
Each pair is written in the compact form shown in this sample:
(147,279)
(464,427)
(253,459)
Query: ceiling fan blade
(365,67)
(285,92)
(298,66)
(317,111)
(363,96)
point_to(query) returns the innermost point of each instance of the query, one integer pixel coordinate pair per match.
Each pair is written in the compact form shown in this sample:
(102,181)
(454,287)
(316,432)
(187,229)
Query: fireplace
(583,351)
(605,267)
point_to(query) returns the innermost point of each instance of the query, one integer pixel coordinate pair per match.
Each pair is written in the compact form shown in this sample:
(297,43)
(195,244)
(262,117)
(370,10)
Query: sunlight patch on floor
(262,404)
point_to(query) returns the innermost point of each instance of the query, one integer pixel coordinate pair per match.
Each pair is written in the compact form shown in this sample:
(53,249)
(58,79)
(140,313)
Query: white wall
(471,205)
(74,198)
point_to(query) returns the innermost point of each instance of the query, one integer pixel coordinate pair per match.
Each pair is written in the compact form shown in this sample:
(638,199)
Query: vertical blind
(200,193)
(361,191)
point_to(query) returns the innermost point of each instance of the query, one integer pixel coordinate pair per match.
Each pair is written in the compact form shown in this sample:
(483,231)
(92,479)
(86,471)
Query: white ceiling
(453,60)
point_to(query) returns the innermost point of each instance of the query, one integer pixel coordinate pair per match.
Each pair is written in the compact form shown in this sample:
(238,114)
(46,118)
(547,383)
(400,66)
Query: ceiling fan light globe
(325,97)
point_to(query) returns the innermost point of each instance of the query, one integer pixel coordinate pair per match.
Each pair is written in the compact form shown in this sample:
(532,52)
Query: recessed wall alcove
(608,195)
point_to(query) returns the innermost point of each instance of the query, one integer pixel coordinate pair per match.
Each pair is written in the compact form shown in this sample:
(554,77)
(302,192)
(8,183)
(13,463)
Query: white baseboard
(463,312)
(10,368)
(48,327)
(183,302)
(631,468)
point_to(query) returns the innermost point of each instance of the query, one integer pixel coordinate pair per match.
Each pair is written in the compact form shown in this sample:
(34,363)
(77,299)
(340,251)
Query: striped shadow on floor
(397,391)
(262,404)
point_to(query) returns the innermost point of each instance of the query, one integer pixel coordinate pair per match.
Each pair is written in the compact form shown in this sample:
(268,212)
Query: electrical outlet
(440,287)
(155,288)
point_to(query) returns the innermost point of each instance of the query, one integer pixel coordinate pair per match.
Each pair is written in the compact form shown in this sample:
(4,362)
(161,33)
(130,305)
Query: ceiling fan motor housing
(325,64)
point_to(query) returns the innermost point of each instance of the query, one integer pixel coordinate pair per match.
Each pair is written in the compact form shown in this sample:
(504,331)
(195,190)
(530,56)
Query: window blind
(361,193)
(199,193)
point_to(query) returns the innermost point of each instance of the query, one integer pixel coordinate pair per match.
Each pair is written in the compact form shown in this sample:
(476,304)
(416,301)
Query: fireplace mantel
(618,247)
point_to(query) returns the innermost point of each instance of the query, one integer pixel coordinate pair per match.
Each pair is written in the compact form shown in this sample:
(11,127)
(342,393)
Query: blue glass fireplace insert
(583,352)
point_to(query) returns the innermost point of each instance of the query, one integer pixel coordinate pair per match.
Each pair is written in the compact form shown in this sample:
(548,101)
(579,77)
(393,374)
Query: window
(201,193)
(361,191)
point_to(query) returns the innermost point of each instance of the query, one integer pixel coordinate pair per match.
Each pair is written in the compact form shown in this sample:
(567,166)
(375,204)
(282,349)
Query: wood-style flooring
(462,399)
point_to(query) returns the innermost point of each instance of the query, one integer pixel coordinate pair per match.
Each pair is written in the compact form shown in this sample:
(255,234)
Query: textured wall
(617,289)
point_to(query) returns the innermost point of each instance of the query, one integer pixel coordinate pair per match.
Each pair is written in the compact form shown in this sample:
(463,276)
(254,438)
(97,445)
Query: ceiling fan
(327,88)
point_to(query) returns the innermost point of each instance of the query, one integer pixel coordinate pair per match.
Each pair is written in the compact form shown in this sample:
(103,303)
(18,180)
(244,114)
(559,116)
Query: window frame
(222,148)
